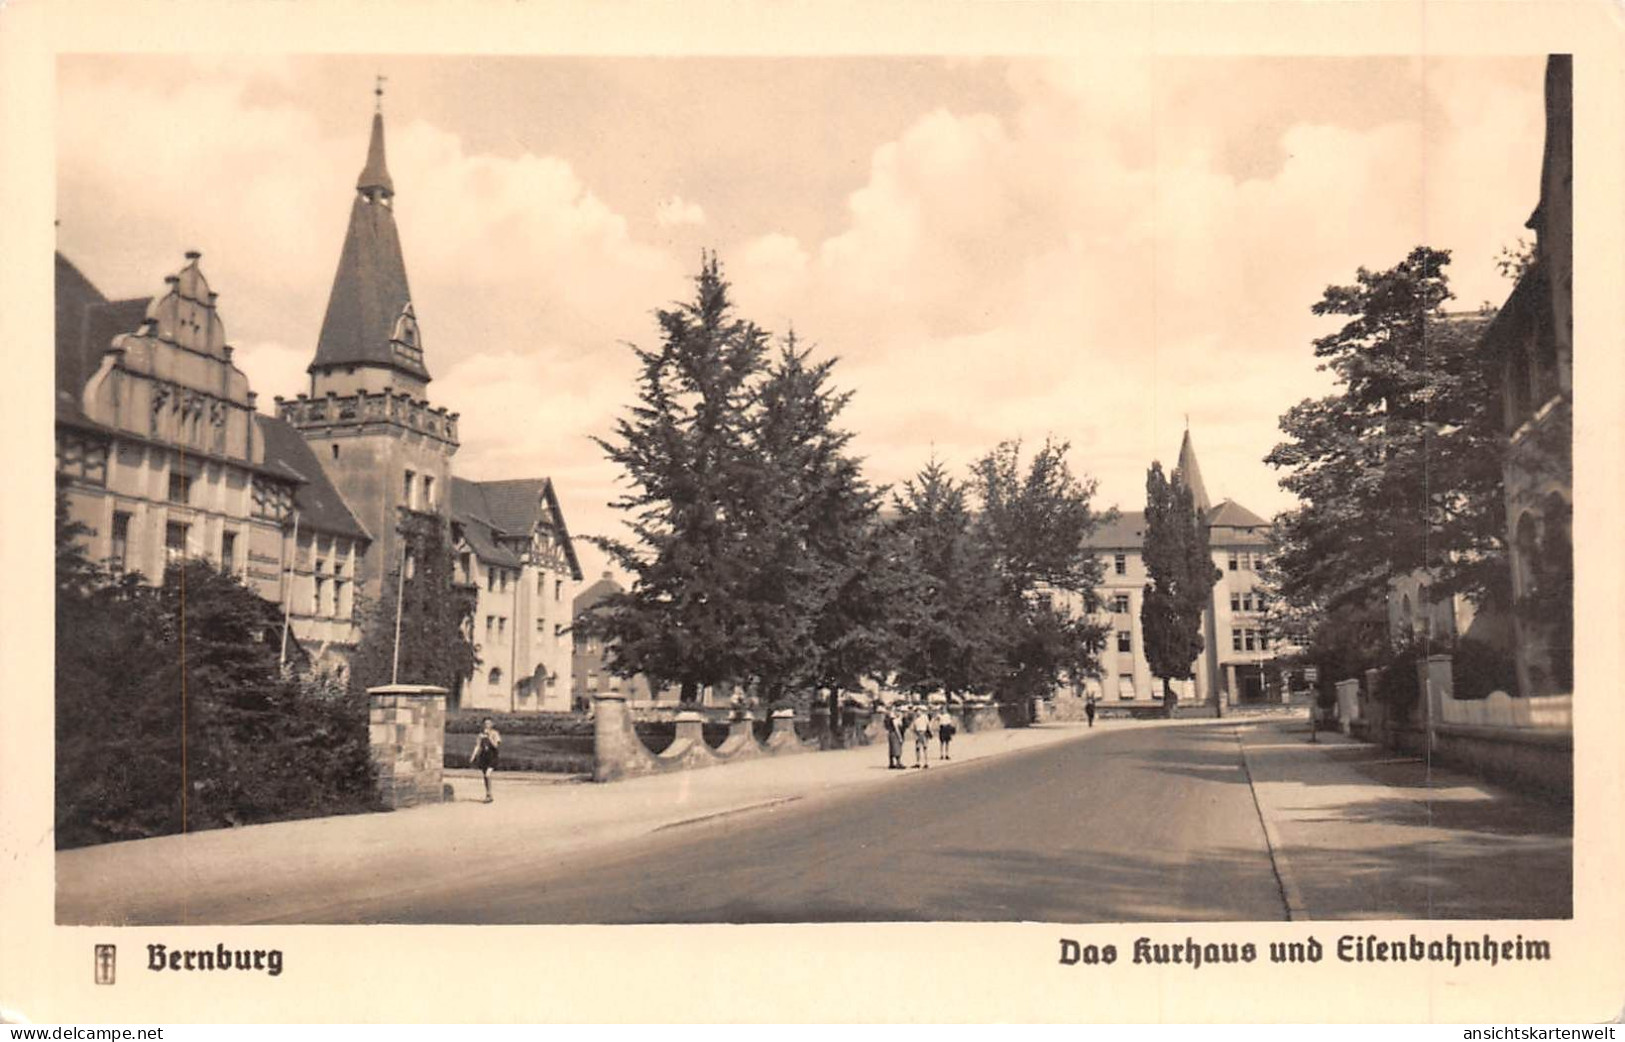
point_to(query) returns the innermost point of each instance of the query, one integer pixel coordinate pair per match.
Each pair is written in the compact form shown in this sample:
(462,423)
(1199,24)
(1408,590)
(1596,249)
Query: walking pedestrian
(922,738)
(485,753)
(894,738)
(945,733)
(1089,710)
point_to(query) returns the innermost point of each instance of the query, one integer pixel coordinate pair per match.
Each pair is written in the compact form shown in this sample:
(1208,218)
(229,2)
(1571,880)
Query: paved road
(1155,824)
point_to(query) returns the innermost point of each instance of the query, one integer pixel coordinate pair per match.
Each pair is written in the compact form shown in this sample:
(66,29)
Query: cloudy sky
(995,248)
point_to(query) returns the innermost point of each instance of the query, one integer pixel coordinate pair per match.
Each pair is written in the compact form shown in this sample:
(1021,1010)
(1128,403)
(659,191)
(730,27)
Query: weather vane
(378,89)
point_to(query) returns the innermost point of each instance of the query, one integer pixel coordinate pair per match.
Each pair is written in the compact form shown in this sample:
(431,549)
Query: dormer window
(404,337)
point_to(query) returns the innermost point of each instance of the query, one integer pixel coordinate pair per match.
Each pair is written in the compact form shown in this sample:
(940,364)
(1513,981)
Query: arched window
(1528,542)
(496,676)
(1557,582)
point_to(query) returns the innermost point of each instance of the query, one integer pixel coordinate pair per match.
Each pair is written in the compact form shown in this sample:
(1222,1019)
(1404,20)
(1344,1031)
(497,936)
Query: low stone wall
(1348,704)
(981,717)
(688,750)
(619,753)
(1525,744)
(784,740)
(406,730)
(1537,762)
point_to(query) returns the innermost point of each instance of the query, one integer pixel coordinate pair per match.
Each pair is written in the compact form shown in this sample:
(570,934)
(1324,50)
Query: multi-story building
(163,455)
(514,551)
(1532,342)
(1238,647)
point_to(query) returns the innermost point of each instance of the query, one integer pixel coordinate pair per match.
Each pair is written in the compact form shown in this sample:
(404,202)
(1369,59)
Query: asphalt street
(1141,825)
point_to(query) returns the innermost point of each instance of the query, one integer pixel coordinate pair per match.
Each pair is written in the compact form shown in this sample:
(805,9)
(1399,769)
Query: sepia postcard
(1081,512)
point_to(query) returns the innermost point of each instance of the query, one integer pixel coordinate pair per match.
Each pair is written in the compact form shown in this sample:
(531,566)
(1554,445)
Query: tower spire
(374,181)
(370,321)
(1192,473)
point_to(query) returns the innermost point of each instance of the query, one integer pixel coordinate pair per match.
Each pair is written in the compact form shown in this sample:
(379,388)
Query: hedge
(551,755)
(470,721)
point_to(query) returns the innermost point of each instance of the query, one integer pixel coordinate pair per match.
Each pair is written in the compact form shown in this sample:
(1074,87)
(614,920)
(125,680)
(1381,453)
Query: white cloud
(1067,267)
(675,211)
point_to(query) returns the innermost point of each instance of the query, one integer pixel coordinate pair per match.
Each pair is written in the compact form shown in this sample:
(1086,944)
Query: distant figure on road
(1089,711)
(485,753)
(894,738)
(922,738)
(945,733)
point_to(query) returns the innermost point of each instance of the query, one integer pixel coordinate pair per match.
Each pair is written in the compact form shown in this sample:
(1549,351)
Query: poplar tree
(1179,565)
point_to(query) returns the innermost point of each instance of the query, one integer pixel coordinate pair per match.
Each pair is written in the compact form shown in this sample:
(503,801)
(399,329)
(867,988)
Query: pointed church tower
(369,336)
(367,416)
(1192,473)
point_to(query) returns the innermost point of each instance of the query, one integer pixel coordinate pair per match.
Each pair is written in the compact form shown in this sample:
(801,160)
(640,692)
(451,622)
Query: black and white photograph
(779,490)
(1119,493)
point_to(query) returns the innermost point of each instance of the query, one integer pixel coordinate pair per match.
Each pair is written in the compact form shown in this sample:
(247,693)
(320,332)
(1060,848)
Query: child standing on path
(922,738)
(485,753)
(1089,710)
(945,733)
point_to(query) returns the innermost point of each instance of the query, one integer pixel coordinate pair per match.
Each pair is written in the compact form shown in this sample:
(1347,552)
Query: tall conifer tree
(1179,563)
(690,473)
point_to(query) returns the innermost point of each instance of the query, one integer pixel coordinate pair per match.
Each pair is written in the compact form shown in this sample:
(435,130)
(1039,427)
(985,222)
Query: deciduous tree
(1400,469)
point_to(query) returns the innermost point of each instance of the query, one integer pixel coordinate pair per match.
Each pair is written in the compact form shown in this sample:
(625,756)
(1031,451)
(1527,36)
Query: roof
(86,323)
(1518,316)
(1191,473)
(473,516)
(514,504)
(1127,531)
(376,174)
(319,504)
(74,297)
(370,290)
(492,509)
(1231,514)
(605,587)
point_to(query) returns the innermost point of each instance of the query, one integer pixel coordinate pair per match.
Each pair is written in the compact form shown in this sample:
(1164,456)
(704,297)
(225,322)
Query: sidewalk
(1359,831)
(308,870)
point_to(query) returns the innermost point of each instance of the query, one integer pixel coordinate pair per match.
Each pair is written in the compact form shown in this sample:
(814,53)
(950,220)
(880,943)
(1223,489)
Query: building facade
(514,551)
(163,455)
(1531,344)
(1238,648)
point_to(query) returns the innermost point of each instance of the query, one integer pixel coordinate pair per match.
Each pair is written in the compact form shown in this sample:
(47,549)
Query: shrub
(469,721)
(552,755)
(1479,668)
(1397,685)
(157,733)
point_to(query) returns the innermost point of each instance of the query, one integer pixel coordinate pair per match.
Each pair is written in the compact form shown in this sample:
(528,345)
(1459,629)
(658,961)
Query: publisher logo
(106,960)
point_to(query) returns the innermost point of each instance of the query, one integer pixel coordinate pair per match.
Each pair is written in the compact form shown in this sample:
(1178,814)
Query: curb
(726,813)
(1297,910)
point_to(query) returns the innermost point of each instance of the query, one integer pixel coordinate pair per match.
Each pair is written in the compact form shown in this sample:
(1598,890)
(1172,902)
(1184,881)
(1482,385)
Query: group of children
(924,724)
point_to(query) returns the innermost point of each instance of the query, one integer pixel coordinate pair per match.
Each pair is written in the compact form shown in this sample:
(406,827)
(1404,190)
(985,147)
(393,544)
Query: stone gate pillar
(617,750)
(406,729)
